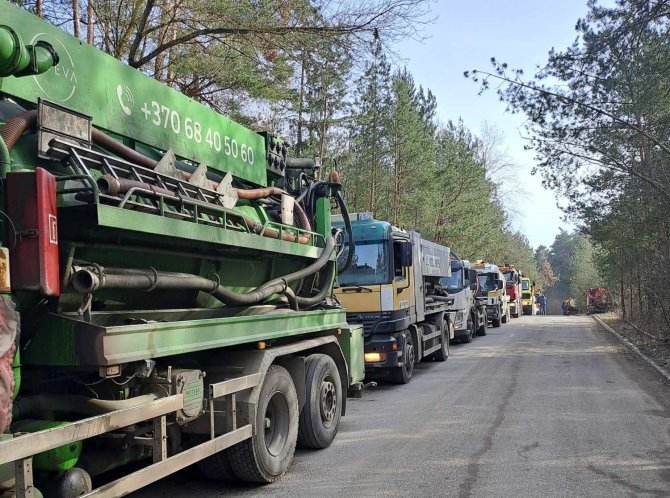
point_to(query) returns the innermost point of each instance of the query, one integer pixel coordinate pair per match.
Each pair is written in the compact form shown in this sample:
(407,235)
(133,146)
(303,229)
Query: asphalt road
(544,406)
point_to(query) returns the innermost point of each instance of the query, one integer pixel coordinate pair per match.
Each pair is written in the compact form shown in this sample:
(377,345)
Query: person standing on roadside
(543,304)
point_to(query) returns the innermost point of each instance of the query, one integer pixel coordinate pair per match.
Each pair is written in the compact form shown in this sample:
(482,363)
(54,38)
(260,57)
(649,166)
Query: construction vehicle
(468,310)
(174,296)
(393,289)
(569,307)
(597,300)
(528,296)
(492,287)
(513,285)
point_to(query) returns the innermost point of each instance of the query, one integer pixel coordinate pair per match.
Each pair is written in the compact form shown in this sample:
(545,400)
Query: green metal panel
(97,345)
(133,221)
(351,342)
(125,101)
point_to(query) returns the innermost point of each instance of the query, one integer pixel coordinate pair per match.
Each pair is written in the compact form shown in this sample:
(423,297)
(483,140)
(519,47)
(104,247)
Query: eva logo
(63,82)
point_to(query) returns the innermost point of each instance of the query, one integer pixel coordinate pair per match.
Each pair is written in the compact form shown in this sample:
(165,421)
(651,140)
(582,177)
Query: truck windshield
(525,285)
(370,264)
(487,282)
(509,276)
(455,282)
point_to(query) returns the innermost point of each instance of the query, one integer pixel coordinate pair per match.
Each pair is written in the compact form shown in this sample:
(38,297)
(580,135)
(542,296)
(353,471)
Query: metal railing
(21,449)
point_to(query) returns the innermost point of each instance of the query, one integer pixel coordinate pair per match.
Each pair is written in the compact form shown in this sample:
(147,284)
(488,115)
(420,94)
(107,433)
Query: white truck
(468,312)
(492,287)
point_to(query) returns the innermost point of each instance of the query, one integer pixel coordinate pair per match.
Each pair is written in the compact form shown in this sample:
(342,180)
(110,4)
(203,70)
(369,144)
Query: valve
(18,59)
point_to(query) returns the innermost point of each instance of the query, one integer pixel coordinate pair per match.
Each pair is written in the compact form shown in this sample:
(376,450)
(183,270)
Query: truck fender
(231,364)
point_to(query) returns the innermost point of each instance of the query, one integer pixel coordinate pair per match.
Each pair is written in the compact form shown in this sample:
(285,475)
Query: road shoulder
(652,362)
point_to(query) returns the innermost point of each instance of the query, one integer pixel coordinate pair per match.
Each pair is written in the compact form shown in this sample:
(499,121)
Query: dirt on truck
(166,292)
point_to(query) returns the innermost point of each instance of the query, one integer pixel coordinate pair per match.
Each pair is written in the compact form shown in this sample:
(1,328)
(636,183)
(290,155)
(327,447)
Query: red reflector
(31,204)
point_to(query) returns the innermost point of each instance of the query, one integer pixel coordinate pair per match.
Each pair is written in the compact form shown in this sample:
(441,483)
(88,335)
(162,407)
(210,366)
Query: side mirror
(533,283)
(473,286)
(405,254)
(473,277)
(500,284)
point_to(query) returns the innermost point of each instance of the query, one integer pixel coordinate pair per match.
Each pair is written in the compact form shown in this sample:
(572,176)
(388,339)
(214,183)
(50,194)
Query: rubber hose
(325,288)
(300,163)
(320,262)
(347,225)
(16,126)
(86,280)
(107,142)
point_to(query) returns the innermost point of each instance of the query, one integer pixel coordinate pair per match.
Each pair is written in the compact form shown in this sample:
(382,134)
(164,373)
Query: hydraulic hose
(306,302)
(347,226)
(89,279)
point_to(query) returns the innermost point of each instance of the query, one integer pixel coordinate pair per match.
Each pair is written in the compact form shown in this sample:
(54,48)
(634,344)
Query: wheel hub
(410,357)
(328,402)
(276,423)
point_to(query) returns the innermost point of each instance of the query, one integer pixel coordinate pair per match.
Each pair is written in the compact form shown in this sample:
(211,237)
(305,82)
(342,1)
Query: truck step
(431,350)
(432,335)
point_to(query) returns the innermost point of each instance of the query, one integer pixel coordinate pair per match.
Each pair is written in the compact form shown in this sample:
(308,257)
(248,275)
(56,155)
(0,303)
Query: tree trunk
(39,8)
(90,27)
(301,97)
(623,297)
(76,18)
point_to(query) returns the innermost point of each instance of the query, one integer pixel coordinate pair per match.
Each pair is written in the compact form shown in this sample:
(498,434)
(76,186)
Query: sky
(464,36)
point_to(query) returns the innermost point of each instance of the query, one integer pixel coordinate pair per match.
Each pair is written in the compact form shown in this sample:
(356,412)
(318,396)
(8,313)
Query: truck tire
(403,374)
(495,322)
(266,456)
(505,316)
(471,333)
(517,311)
(443,353)
(320,415)
(217,467)
(481,331)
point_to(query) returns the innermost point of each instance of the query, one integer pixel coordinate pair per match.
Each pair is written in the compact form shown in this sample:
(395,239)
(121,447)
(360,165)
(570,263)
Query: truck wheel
(482,328)
(505,316)
(217,467)
(266,456)
(471,333)
(320,415)
(402,375)
(496,322)
(443,353)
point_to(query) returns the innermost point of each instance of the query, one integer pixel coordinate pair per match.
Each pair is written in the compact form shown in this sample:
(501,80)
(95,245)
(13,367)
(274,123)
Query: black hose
(90,279)
(306,302)
(300,163)
(347,226)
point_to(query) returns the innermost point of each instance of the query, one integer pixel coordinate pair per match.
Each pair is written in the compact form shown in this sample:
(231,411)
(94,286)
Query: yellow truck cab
(492,287)
(527,296)
(392,288)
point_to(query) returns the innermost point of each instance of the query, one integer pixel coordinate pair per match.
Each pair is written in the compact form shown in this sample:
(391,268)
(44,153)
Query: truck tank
(151,241)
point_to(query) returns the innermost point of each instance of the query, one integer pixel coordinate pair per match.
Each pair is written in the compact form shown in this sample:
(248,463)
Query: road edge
(634,348)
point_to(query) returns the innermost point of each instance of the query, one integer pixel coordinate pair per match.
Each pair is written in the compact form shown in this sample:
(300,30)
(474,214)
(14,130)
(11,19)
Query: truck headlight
(374,357)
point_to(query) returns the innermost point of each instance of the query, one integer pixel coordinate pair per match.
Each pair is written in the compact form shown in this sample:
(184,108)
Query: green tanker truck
(166,281)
